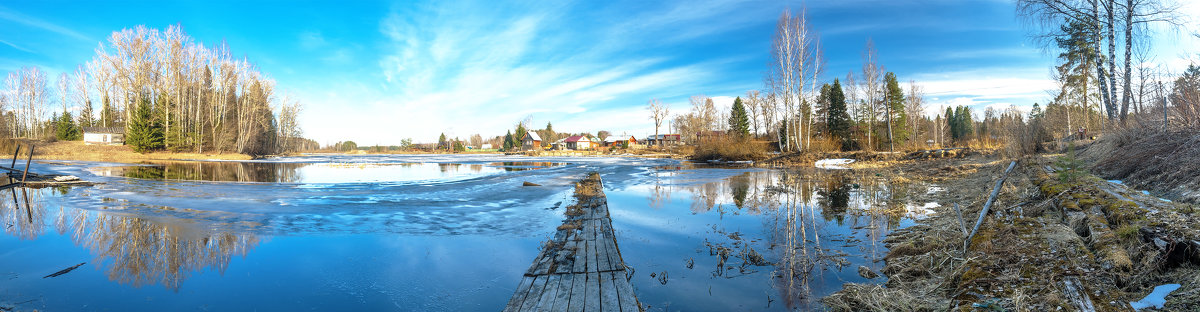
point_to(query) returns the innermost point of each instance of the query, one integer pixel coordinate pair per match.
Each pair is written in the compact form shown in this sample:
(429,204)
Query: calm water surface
(430,233)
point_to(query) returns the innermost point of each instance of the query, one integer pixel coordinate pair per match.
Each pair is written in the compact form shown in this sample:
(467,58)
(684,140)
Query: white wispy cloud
(13,16)
(462,70)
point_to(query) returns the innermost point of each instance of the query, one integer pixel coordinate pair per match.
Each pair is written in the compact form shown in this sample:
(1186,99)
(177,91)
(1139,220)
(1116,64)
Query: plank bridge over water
(580,269)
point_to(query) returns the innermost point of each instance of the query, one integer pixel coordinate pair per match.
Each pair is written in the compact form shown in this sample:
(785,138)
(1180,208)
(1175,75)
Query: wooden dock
(580,269)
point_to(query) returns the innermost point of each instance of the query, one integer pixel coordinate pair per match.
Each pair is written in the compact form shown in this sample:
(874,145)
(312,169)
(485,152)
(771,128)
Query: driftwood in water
(64,271)
(988,204)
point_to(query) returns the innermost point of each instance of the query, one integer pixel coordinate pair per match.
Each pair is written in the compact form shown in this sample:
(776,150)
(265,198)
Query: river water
(432,233)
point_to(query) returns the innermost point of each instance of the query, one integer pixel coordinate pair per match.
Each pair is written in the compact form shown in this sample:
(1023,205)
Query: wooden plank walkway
(580,268)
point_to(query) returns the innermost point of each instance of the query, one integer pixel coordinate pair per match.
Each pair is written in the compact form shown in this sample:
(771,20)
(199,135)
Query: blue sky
(378,72)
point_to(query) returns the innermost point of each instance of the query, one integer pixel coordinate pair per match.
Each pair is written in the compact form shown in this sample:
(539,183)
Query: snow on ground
(834,163)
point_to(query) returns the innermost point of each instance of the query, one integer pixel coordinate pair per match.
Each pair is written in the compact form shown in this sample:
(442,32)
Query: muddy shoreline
(1049,243)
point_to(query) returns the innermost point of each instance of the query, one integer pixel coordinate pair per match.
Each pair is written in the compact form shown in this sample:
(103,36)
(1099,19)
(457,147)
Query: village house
(663,139)
(619,141)
(531,141)
(578,142)
(104,135)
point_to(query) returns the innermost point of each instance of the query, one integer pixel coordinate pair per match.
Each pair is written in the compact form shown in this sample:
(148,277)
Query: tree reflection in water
(814,219)
(137,251)
(209,171)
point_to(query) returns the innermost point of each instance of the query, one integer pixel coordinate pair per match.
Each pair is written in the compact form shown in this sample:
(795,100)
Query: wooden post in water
(988,205)
(27,161)
(17,152)
(14,164)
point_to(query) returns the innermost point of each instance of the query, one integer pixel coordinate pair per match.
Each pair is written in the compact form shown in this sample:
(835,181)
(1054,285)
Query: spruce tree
(107,114)
(144,133)
(837,120)
(442,142)
(508,141)
(952,123)
(65,128)
(739,121)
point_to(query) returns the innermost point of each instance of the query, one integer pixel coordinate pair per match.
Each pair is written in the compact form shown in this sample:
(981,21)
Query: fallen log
(988,204)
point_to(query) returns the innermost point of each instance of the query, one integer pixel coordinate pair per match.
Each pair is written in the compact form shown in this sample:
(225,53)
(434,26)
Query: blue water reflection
(428,233)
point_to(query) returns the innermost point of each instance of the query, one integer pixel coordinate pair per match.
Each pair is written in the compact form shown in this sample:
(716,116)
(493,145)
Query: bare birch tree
(872,88)
(658,113)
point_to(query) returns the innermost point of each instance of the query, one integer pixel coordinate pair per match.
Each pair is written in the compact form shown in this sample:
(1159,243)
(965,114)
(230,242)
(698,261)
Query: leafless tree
(658,113)
(794,56)
(872,88)
(914,107)
(753,106)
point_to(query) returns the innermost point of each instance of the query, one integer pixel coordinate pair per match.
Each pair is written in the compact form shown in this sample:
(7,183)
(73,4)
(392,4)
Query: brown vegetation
(1050,244)
(729,148)
(1167,163)
(77,150)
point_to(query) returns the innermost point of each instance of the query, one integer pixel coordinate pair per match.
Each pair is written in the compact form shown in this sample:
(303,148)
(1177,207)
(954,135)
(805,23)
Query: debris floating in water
(834,163)
(64,271)
(1156,298)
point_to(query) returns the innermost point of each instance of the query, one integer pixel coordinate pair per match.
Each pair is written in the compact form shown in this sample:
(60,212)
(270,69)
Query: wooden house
(578,142)
(663,139)
(531,141)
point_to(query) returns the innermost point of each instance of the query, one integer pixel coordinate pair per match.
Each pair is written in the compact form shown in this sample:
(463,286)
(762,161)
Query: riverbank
(77,150)
(1056,238)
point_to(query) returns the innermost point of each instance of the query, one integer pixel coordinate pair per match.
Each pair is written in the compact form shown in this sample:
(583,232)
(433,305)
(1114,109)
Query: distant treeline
(167,91)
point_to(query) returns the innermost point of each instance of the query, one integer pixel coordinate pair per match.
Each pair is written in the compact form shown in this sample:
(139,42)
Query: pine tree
(898,125)
(144,133)
(739,121)
(837,120)
(442,142)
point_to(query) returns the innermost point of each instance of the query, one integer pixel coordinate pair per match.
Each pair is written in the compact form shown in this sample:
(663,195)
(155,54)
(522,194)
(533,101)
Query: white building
(104,135)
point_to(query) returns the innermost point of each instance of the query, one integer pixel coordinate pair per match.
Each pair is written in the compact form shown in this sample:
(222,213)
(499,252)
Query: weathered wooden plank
(535,293)
(562,296)
(578,293)
(514,303)
(628,300)
(592,295)
(593,255)
(603,249)
(608,292)
(549,292)
(580,264)
(568,266)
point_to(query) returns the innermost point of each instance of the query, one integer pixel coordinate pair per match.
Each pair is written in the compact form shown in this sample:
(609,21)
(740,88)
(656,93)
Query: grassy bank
(77,150)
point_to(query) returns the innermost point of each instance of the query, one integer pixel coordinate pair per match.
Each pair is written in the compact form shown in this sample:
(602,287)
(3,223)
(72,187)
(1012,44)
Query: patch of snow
(1145,192)
(1156,298)
(920,212)
(833,163)
(1118,182)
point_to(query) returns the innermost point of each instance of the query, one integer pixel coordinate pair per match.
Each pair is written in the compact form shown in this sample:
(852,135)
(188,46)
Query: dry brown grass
(76,150)
(730,148)
(1165,163)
